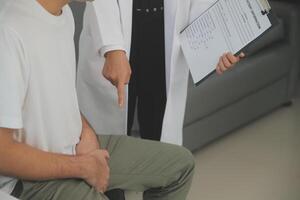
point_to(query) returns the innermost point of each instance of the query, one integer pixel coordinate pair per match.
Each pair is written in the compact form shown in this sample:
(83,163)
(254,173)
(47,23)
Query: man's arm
(88,139)
(25,162)
(89,144)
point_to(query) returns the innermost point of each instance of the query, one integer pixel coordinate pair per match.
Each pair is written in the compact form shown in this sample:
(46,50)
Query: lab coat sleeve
(109,48)
(109,25)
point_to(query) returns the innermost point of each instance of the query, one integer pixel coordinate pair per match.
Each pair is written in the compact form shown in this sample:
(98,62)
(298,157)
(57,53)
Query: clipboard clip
(265,6)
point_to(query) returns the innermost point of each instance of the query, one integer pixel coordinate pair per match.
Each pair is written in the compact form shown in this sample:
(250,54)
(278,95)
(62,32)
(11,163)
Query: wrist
(79,166)
(114,53)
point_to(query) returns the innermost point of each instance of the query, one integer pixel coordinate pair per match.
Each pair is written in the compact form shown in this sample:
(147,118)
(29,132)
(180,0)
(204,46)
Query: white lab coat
(108,25)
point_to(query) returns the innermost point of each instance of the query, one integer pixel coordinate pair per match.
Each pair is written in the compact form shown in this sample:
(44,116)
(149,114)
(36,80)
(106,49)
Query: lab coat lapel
(126,16)
(177,14)
(170,28)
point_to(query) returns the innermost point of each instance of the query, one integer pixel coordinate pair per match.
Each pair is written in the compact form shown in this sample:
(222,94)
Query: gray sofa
(262,82)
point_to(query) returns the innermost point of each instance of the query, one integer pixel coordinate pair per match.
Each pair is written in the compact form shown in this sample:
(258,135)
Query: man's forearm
(88,139)
(85,124)
(25,162)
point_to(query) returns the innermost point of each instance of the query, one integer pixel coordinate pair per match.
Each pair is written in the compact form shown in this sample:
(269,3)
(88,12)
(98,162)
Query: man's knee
(179,165)
(186,158)
(183,158)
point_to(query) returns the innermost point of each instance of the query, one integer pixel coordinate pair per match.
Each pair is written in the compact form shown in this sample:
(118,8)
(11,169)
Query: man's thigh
(72,189)
(139,165)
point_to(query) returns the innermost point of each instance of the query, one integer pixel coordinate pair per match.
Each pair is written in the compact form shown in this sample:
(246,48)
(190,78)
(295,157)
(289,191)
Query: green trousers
(161,171)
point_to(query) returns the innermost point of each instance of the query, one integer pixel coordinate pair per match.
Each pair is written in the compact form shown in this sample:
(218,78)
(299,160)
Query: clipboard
(265,10)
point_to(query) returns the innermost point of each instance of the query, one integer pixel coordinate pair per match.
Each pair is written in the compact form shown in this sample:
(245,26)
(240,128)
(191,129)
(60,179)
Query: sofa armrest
(290,14)
(286,30)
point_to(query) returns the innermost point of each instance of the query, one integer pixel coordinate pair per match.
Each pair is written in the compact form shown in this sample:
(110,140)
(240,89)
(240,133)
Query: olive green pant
(161,171)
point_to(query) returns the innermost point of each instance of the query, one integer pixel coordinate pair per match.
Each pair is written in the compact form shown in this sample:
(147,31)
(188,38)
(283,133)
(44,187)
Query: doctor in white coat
(108,27)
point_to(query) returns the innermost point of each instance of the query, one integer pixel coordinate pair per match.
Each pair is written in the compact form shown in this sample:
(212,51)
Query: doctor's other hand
(117,70)
(227,61)
(95,169)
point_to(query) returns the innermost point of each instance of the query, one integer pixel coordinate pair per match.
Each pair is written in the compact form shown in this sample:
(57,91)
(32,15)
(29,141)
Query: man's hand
(95,161)
(117,70)
(96,169)
(227,61)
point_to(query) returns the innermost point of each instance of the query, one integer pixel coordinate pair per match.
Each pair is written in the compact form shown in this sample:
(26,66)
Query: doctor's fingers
(227,63)
(242,55)
(117,82)
(218,70)
(121,93)
(107,75)
(221,66)
(125,80)
(233,59)
(128,77)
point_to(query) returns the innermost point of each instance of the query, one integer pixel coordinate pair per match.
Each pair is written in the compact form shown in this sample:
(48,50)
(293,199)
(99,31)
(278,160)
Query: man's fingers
(106,154)
(105,188)
(121,93)
(101,189)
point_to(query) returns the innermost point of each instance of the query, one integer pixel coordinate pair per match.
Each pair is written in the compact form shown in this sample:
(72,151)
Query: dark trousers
(147,87)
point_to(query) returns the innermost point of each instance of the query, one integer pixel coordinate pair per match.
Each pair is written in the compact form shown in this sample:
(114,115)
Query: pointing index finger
(121,93)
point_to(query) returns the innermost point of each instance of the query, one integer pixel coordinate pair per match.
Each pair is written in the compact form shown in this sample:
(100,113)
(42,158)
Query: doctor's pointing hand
(117,70)
(139,45)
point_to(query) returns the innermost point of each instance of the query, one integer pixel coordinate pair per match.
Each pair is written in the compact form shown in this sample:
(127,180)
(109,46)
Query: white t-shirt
(37,78)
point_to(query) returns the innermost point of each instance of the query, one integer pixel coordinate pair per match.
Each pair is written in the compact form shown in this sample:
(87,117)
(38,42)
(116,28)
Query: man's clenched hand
(95,165)
(117,70)
(96,169)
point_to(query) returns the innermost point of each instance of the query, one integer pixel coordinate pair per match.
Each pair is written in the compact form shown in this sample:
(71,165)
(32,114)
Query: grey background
(78,11)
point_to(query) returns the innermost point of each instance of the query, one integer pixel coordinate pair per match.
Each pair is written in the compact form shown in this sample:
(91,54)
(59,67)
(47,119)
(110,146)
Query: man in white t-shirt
(47,149)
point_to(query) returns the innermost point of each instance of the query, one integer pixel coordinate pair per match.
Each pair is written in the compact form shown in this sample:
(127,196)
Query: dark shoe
(116,194)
